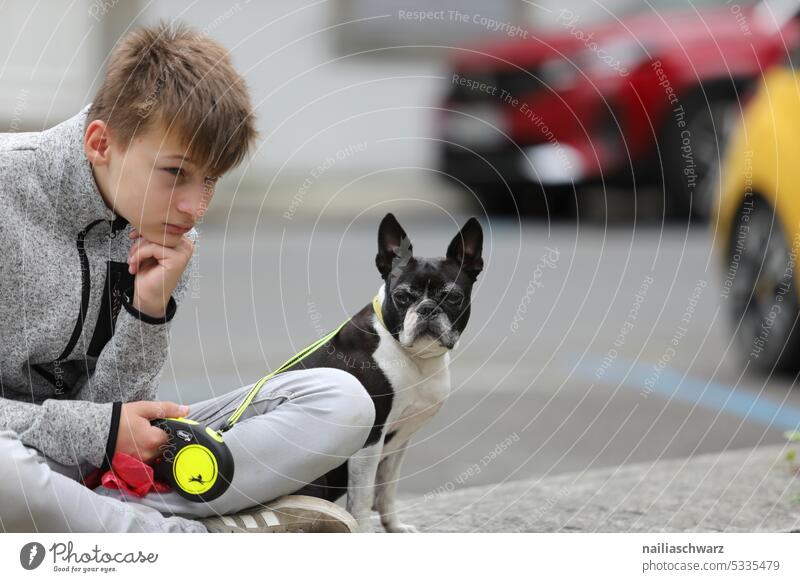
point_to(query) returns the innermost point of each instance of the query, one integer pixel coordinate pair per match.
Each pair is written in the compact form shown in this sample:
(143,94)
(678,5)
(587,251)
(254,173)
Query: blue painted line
(716,396)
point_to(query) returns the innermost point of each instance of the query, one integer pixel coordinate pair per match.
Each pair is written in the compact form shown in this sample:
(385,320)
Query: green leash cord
(376,307)
(288,364)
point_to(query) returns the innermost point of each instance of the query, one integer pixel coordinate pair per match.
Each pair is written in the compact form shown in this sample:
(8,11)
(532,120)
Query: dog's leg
(386,490)
(361,470)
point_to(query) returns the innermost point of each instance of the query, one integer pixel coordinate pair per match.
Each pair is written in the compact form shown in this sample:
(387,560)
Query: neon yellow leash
(376,306)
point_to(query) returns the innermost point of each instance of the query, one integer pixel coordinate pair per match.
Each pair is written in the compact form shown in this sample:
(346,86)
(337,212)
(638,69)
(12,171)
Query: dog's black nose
(426,309)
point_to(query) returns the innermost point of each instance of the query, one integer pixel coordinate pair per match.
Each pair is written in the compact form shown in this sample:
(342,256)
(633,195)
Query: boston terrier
(398,346)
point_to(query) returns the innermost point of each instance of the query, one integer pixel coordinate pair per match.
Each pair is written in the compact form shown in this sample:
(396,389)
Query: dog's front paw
(398,527)
(365,525)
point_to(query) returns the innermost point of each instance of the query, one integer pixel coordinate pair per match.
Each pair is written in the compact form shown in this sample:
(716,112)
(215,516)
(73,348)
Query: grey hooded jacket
(72,346)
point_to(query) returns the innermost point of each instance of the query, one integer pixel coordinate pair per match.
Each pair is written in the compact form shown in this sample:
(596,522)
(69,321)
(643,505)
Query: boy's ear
(96,142)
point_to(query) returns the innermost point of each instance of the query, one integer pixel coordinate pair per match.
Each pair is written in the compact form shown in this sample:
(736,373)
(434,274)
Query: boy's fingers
(185,246)
(151,409)
(159,436)
(146,251)
(156,250)
(163,409)
(175,410)
(140,258)
(134,246)
(131,254)
(143,249)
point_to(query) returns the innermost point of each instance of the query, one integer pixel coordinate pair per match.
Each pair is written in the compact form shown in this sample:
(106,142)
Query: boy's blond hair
(174,77)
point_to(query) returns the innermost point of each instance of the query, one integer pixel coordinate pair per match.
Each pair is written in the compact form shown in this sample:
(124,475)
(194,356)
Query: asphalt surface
(587,347)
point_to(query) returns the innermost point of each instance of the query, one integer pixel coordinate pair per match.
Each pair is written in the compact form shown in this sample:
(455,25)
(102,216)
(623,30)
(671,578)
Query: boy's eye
(176,171)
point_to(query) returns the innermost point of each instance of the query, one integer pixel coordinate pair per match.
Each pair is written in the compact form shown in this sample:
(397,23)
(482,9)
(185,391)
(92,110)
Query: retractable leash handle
(196,462)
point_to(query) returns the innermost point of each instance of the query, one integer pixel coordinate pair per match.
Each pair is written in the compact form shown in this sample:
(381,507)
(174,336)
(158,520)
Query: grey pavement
(748,490)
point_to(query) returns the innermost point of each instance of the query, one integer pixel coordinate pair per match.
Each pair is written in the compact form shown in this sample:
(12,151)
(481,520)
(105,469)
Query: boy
(96,237)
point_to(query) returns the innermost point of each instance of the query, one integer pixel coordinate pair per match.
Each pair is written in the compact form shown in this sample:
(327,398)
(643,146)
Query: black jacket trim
(111,444)
(117,224)
(63,392)
(86,283)
(127,302)
(117,279)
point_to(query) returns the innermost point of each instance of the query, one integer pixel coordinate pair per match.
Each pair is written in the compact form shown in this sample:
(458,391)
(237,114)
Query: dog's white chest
(416,403)
(421,386)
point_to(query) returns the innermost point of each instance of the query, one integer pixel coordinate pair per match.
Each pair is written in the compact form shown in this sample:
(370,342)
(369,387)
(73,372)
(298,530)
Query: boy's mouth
(177,228)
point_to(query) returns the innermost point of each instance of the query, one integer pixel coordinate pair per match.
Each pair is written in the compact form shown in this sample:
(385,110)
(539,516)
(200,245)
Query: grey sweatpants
(302,424)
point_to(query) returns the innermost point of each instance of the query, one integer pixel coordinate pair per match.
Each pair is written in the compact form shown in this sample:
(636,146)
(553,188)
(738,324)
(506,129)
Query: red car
(639,100)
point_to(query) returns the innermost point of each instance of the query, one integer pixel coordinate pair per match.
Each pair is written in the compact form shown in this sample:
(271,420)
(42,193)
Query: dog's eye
(402,298)
(454,298)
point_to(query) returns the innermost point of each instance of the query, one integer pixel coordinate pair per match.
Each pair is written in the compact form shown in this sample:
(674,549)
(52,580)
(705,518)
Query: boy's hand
(136,436)
(158,270)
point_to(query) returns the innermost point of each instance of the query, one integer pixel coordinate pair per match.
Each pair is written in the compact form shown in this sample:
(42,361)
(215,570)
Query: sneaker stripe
(270,518)
(227,520)
(249,520)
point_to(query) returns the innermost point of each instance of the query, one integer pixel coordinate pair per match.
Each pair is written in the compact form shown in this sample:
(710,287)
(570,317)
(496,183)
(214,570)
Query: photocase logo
(31,555)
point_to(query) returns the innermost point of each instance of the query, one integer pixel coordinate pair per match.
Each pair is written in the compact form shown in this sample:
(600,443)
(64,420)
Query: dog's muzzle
(431,320)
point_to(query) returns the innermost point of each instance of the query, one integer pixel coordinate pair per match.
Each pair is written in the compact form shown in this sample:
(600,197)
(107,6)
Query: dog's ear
(466,248)
(394,247)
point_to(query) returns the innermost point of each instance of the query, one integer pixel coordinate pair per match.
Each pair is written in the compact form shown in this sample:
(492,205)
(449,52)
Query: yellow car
(756,227)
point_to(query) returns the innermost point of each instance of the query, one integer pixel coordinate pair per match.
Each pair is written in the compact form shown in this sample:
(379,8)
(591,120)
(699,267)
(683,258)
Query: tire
(691,155)
(762,301)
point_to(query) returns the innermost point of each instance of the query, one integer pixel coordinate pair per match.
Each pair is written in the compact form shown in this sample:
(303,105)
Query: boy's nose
(194,201)
(185,207)
(193,209)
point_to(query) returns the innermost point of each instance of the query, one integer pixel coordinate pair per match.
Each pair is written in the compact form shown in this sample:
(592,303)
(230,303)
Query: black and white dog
(399,346)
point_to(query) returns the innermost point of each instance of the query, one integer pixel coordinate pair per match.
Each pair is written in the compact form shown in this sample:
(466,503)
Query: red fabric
(132,475)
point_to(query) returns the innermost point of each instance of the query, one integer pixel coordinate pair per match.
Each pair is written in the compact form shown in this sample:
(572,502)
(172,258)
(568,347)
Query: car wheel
(691,156)
(763,303)
(709,128)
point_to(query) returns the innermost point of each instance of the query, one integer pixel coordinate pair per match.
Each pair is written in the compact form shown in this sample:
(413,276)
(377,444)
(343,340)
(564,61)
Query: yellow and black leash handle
(196,462)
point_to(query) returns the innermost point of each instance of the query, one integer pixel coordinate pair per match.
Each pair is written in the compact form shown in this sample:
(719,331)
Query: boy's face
(153,182)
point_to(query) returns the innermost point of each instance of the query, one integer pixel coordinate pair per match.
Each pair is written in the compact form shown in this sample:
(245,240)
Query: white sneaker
(290,513)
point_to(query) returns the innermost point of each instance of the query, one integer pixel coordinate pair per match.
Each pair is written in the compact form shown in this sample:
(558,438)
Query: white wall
(310,103)
(49,56)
